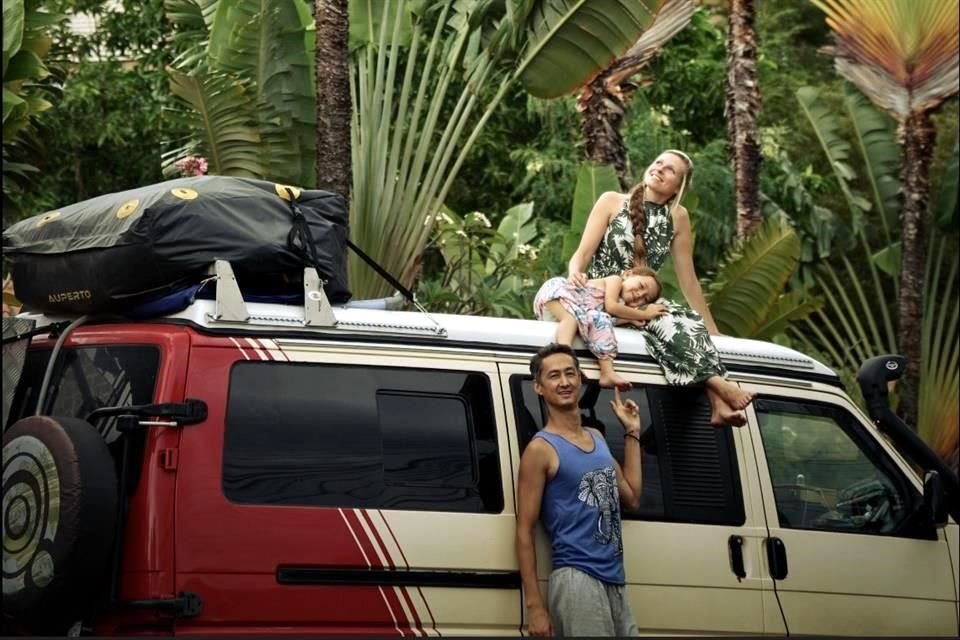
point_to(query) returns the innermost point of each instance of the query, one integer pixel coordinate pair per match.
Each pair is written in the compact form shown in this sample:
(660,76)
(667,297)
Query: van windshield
(85,379)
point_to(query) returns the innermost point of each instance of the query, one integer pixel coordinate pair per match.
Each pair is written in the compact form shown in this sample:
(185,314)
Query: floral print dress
(585,304)
(678,340)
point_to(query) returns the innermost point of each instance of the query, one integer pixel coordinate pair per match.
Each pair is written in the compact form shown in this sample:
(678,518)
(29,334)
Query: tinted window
(371,437)
(827,475)
(689,469)
(88,378)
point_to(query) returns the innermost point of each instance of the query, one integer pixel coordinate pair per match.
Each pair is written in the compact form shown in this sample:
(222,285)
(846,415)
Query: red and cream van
(243,468)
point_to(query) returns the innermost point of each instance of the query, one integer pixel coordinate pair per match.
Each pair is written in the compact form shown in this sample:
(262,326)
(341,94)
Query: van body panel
(844,582)
(331,552)
(952,533)
(148,547)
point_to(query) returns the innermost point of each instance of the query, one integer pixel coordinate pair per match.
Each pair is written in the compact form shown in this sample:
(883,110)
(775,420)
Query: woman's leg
(680,343)
(722,414)
(730,392)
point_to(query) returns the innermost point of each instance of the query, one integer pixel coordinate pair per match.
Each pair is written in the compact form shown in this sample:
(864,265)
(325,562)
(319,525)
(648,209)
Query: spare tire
(59,517)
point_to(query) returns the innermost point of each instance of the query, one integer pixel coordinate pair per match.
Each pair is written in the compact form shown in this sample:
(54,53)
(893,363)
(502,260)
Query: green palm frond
(948,202)
(826,128)
(875,135)
(263,41)
(593,180)
(751,279)
(902,55)
(571,41)
(939,394)
(845,328)
(221,111)
(191,20)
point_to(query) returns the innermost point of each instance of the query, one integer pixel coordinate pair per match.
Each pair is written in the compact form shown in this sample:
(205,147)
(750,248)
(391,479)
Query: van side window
(359,436)
(690,472)
(828,476)
(88,378)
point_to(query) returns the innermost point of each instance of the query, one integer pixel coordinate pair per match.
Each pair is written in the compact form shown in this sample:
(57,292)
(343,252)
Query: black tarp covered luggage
(118,250)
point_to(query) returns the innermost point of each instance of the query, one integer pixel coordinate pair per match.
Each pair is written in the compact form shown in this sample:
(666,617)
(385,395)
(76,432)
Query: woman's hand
(578,278)
(653,311)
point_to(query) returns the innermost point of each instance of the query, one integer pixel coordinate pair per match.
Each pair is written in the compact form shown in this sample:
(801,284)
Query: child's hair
(644,270)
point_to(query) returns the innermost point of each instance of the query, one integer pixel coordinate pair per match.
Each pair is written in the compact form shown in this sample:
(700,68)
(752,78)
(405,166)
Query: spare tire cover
(59,515)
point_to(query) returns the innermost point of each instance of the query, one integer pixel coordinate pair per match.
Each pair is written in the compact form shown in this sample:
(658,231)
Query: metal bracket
(230,306)
(317,311)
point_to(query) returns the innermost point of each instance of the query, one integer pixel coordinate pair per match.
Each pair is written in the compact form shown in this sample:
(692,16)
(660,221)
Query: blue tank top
(581,510)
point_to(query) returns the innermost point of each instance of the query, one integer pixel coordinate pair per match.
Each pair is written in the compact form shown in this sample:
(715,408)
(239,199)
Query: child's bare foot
(614,381)
(735,397)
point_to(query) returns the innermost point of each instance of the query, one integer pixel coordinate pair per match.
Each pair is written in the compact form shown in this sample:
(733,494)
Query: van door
(347,491)
(692,551)
(846,552)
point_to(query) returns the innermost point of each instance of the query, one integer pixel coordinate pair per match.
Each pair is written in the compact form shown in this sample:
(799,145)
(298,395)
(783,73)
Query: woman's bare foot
(727,417)
(733,396)
(722,414)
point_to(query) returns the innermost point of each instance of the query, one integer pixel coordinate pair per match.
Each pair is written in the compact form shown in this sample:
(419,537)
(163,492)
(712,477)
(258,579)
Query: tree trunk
(334,159)
(741,110)
(602,105)
(602,113)
(602,102)
(917,136)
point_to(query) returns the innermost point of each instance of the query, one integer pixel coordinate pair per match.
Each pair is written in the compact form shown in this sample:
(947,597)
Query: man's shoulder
(539,453)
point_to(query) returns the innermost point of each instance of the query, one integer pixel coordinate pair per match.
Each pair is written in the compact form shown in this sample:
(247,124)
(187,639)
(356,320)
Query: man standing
(569,479)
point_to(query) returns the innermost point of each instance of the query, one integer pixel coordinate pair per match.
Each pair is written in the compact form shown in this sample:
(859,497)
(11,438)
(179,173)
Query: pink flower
(192,166)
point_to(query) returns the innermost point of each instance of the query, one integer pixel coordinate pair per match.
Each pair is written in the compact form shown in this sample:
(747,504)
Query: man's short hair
(536,362)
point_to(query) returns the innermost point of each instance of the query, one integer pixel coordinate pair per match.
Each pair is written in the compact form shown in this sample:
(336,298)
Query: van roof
(481,332)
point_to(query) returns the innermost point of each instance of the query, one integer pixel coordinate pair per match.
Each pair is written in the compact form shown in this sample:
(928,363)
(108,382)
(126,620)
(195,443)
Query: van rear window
(358,436)
(88,378)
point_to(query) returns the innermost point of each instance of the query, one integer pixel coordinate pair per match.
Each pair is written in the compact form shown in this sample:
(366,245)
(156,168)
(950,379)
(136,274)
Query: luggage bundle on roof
(117,251)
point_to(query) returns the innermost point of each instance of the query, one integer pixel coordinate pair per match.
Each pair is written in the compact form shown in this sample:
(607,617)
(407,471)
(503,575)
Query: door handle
(777,558)
(735,543)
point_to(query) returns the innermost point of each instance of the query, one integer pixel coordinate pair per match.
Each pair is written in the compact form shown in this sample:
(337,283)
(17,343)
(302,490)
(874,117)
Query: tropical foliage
(244,83)
(400,118)
(860,286)
(748,296)
(27,93)
(485,271)
(904,57)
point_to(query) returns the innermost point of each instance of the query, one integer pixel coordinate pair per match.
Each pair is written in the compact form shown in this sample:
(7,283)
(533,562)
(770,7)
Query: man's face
(559,382)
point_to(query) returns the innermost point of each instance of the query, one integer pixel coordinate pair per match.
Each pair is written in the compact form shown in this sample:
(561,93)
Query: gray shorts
(581,605)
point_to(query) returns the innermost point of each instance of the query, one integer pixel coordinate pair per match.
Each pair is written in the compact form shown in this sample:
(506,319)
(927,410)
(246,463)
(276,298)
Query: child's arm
(612,305)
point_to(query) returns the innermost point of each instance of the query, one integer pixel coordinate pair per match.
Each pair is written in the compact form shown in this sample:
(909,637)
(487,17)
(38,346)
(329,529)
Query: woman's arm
(682,251)
(604,209)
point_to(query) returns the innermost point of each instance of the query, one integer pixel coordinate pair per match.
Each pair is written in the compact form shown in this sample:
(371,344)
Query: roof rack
(230,307)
